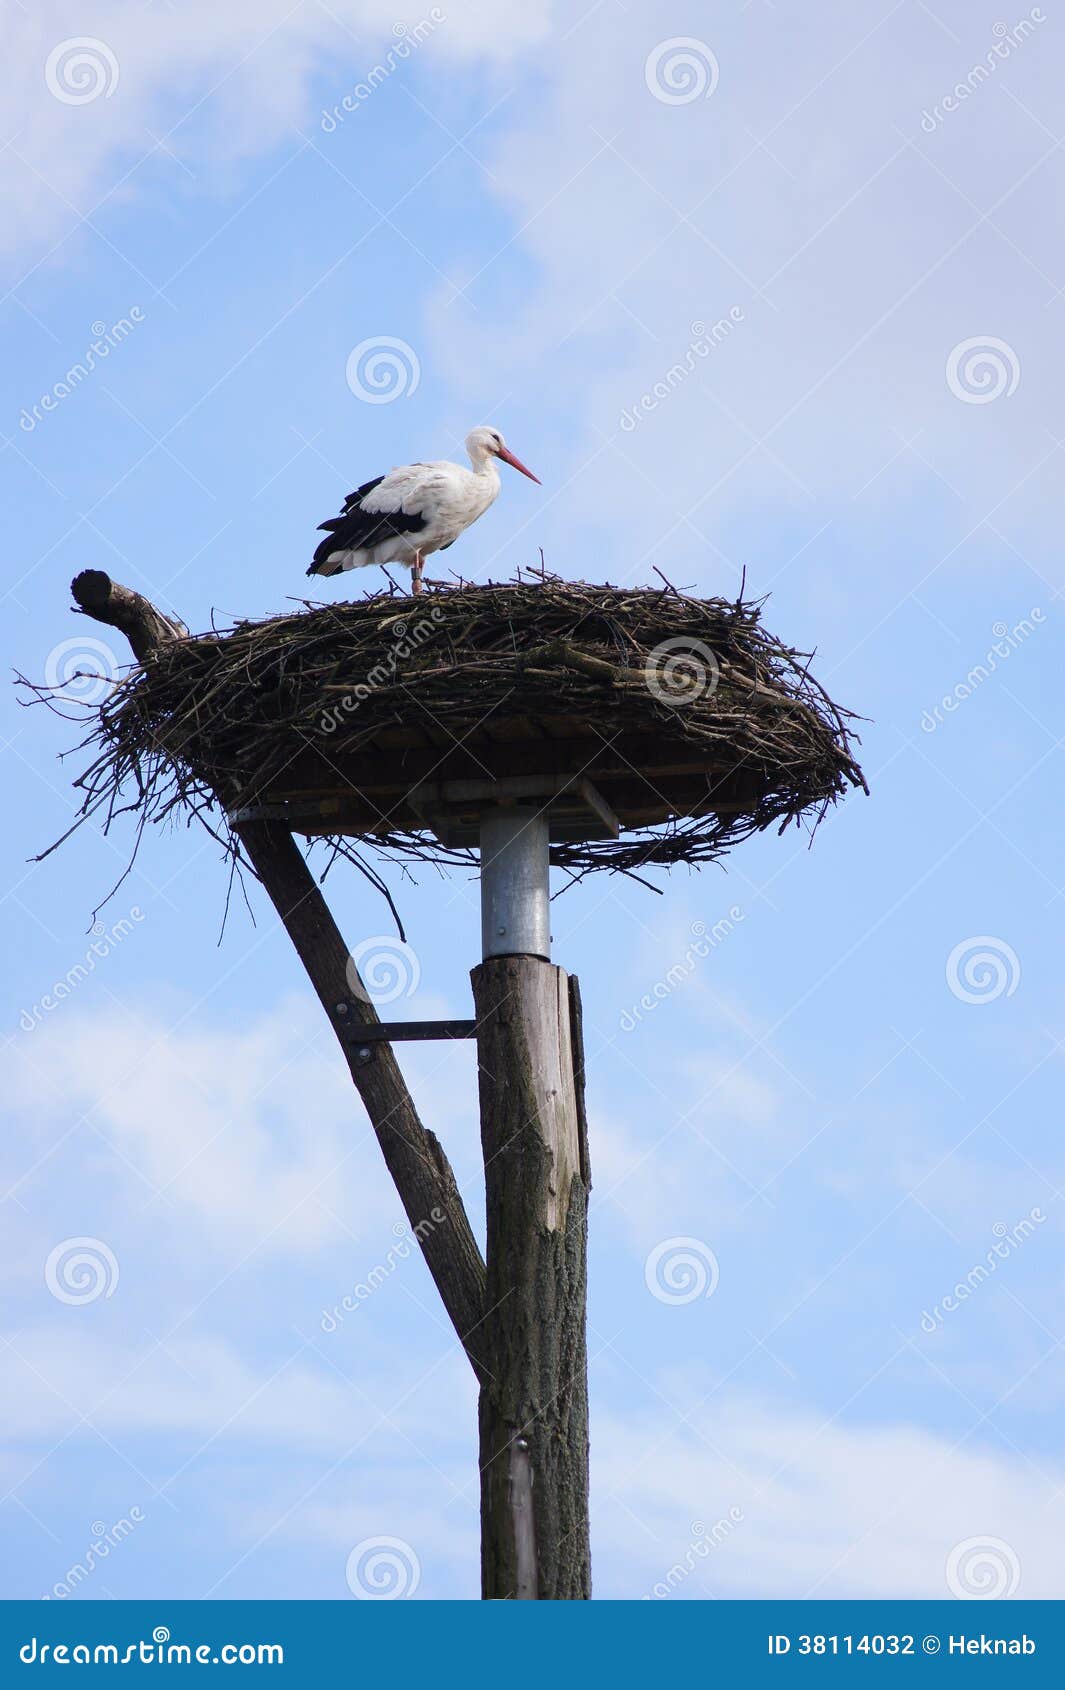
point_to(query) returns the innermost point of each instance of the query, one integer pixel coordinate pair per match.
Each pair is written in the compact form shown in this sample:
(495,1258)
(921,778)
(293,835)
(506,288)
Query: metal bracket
(384,1032)
(455,810)
(366,1035)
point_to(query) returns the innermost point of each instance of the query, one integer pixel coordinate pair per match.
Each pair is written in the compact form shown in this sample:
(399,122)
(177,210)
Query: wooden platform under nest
(655,727)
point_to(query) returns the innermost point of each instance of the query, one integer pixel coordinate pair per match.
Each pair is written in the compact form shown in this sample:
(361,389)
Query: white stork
(414,510)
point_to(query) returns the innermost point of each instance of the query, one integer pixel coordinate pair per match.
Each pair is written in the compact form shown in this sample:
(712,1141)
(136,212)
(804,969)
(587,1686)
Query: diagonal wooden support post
(415,1158)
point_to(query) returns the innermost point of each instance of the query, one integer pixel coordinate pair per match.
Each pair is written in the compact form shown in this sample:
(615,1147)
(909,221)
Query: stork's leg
(416,573)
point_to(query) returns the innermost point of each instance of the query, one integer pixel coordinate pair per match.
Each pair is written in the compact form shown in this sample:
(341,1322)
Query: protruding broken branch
(131,613)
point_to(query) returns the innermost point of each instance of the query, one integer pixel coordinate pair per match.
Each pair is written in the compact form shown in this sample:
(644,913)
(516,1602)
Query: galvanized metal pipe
(515,912)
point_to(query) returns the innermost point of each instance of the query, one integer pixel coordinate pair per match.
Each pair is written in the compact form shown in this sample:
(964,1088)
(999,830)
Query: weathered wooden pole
(533,1412)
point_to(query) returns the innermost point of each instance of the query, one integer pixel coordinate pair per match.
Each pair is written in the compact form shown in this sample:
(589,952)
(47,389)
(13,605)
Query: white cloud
(254,1132)
(254,60)
(206,1385)
(832,1507)
(855,244)
(840,1510)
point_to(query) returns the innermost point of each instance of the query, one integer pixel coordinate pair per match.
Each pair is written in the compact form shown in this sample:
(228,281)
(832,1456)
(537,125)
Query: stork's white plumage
(414,510)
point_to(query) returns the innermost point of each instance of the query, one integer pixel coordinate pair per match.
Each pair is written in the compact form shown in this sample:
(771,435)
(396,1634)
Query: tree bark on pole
(534,1404)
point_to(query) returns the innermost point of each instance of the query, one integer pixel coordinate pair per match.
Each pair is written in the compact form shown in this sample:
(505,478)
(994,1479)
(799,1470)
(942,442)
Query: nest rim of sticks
(376,687)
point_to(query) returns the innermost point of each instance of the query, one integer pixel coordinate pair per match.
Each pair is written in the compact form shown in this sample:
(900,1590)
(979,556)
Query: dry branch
(239,714)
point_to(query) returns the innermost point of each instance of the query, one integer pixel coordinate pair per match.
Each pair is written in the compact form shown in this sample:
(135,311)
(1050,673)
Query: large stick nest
(697,727)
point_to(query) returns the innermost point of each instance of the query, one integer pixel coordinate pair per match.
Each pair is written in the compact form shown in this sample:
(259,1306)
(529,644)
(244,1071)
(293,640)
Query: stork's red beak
(516,463)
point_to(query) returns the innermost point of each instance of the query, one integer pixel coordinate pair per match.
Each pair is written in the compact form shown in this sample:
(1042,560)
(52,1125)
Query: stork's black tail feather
(324,567)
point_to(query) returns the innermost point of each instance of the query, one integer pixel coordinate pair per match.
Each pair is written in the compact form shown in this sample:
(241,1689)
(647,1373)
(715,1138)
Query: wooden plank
(599,806)
(386,770)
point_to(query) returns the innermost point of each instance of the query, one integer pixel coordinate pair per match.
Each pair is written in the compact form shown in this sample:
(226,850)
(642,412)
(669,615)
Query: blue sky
(540,204)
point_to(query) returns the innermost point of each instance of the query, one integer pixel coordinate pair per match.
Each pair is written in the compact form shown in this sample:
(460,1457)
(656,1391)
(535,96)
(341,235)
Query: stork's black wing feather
(361,492)
(356,527)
